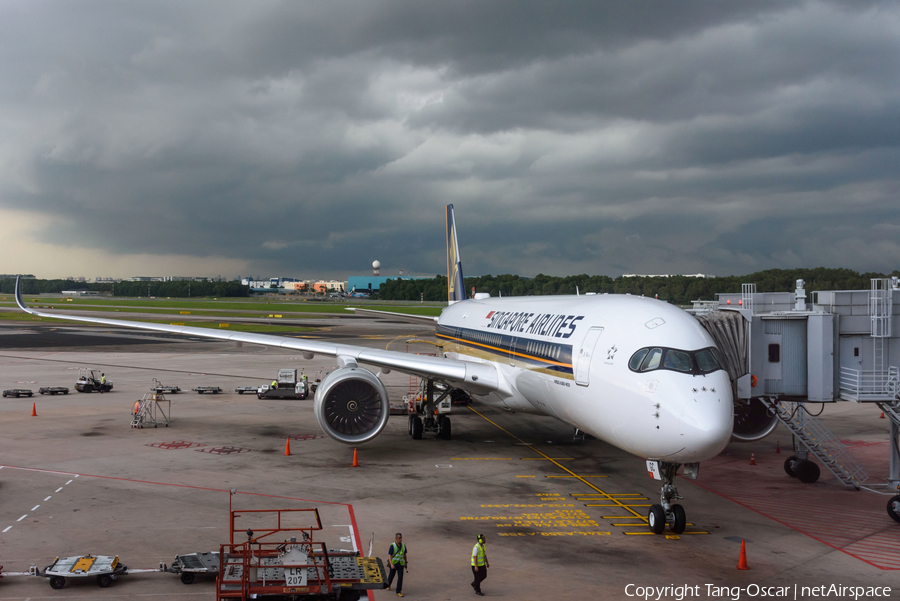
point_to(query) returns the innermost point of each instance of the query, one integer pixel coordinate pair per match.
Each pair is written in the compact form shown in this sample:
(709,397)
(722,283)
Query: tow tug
(90,380)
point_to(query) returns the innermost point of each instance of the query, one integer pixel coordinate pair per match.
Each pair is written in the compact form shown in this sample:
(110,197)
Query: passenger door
(583,360)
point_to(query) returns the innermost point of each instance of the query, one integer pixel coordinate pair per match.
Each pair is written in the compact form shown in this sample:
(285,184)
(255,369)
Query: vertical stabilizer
(456,289)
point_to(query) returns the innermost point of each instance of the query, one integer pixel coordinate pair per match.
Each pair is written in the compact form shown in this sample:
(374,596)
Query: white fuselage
(568,357)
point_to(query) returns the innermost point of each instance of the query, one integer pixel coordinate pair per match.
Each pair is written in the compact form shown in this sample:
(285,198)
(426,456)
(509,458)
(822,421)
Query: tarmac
(562,520)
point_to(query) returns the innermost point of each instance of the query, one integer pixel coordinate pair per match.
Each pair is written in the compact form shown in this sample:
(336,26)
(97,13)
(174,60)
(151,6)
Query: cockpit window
(700,362)
(636,359)
(678,361)
(707,361)
(651,362)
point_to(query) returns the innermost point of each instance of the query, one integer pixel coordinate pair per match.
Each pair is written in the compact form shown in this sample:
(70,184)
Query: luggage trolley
(102,567)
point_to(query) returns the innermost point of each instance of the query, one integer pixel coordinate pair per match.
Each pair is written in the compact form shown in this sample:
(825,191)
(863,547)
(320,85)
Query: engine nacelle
(752,420)
(352,405)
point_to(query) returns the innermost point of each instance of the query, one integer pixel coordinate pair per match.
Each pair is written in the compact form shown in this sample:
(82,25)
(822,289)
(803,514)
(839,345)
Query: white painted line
(69,482)
(47,499)
(7,528)
(22,518)
(352,538)
(59,489)
(35,507)
(76,475)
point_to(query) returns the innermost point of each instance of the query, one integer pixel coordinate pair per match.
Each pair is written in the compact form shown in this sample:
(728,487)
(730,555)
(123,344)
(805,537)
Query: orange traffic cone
(742,562)
(287,447)
(355,458)
(34,410)
(778,447)
(882,415)
(752,459)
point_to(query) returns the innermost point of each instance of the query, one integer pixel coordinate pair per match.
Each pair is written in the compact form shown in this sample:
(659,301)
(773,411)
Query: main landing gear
(427,419)
(667,512)
(801,467)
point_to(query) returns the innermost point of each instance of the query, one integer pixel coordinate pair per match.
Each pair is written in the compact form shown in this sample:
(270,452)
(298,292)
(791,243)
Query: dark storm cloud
(309,138)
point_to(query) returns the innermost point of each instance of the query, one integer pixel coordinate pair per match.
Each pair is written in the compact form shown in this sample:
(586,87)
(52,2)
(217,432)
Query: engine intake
(352,405)
(752,420)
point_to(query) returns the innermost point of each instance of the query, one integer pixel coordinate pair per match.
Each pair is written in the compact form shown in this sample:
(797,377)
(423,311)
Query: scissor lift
(291,568)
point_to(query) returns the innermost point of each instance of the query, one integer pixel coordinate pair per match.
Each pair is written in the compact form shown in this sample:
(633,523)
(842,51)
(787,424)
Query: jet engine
(752,420)
(352,405)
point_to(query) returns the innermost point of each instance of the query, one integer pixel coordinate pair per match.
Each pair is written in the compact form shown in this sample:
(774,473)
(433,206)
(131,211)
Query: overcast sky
(309,138)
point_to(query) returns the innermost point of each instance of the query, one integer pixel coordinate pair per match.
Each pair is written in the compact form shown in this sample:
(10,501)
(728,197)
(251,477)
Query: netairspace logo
(753,591)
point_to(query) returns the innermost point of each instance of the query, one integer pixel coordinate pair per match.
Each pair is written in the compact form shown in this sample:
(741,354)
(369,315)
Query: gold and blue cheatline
(551,356)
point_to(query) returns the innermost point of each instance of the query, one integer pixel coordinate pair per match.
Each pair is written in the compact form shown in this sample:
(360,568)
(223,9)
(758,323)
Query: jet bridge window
(700,362)
(774,353)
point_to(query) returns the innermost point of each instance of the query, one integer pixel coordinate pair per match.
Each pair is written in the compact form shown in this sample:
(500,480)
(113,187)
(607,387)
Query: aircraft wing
(474,377)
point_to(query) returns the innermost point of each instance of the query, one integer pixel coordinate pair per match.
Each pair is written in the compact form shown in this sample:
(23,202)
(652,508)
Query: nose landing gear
(666,512)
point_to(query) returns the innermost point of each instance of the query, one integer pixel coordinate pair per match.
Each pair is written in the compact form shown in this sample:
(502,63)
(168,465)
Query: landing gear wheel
(680,519)
(656,519)
(417,428)
(187,577)
(103,580)
(893,508)
(807,472)
(789,466)
(57,582)
(444,428)
(412,418)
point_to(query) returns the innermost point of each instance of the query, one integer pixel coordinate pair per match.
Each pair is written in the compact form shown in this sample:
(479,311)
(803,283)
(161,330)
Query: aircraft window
(652,360)
(678,361)
(635,362)
(707,361)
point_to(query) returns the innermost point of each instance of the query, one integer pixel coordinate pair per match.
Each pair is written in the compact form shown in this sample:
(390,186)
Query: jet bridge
(782,352)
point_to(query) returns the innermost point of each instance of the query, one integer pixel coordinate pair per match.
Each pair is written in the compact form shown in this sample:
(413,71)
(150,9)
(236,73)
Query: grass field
(217,307)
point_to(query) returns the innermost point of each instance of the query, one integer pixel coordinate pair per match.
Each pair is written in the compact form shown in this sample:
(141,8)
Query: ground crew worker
(102,381)
(480,564)
(397,555)
(274,384)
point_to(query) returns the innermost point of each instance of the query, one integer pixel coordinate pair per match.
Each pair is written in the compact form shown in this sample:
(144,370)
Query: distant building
(80,293)
(374,282)
(667,275)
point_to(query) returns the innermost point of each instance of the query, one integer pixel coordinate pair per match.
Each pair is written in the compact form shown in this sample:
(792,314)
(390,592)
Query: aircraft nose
(707,419)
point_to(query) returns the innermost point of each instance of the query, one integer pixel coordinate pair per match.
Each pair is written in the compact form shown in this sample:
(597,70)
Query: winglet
(456,287)
(19,298)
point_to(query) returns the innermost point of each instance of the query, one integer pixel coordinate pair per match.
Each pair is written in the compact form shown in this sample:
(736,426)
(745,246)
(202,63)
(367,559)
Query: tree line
(133,289)
(677,289)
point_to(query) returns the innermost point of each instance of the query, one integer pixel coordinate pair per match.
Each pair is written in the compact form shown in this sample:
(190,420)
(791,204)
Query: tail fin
(456,288)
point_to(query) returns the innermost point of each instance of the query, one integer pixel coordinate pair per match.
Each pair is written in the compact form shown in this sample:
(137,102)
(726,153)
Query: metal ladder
(137,419)
(830,451)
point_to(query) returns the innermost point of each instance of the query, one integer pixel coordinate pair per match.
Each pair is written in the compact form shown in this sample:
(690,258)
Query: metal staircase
(830,451)
(149,411)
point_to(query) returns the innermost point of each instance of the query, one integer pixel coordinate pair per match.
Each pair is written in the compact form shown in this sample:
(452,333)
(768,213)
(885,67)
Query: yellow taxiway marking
(547,458)
(674,536)
(561,466)
(524,476)
(576,476)
(619,517)
(416,335)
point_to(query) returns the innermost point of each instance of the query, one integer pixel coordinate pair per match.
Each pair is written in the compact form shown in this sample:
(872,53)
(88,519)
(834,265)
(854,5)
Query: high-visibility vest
(478,555)
(397,554)
(103,379)
(274,383)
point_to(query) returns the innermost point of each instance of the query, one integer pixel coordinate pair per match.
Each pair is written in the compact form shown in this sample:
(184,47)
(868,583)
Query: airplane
(637,373)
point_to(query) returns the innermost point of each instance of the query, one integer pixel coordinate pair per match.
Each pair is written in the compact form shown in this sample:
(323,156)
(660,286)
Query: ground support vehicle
(189,565)
(90,380)
(104,568)
(161,388)
(17,392)
(287,386)
(243,389)
(53,390)
(205,389)
(293,569)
